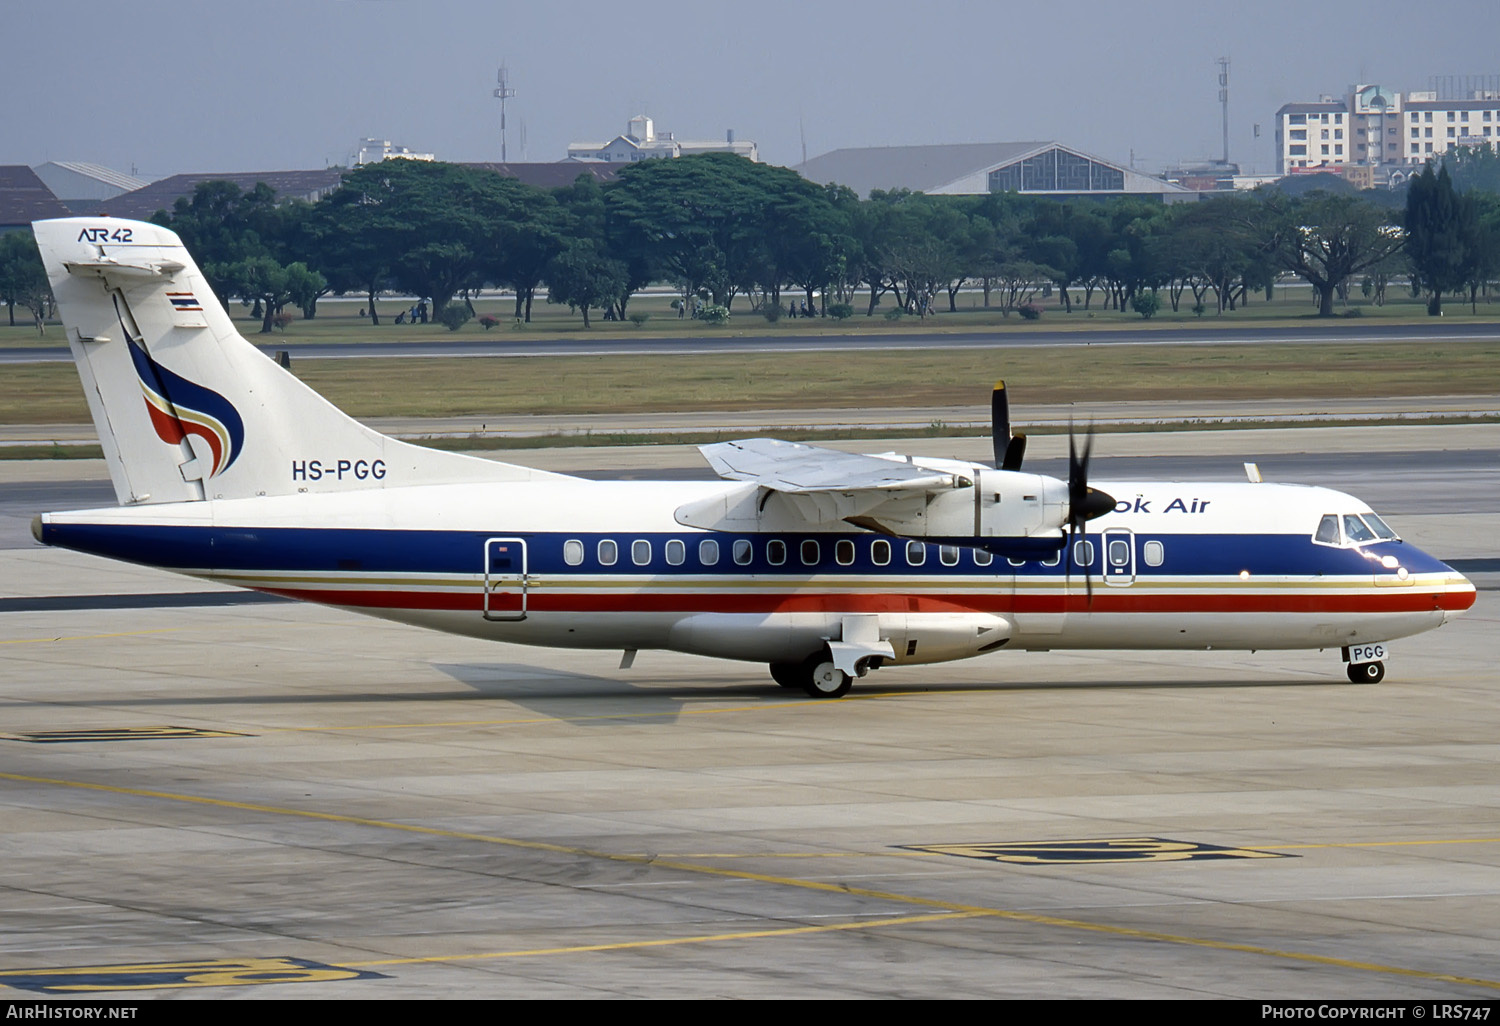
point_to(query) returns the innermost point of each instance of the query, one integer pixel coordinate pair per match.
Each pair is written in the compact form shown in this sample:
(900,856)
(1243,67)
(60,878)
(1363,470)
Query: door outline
(1116,572)
(501,572)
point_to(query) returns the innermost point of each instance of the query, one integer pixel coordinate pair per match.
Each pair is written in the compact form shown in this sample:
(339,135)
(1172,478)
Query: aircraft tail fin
(185,407)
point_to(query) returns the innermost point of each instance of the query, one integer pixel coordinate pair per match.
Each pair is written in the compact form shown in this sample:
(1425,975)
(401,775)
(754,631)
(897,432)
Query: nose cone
(1459,594)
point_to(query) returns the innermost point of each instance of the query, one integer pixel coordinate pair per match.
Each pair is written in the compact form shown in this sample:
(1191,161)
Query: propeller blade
(1084,503)
(1000,425)
(1015,452)
(1088,579)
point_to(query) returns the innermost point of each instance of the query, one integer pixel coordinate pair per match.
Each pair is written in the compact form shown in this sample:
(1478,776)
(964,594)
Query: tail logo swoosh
(179,407)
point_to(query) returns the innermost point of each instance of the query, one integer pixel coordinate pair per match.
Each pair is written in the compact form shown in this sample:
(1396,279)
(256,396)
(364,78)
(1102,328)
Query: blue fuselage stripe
(336,550)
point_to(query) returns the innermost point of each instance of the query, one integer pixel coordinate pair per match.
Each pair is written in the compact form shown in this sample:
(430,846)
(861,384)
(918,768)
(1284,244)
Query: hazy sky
(214,85)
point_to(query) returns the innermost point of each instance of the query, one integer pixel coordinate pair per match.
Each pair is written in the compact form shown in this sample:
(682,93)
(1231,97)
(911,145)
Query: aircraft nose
(1459,594)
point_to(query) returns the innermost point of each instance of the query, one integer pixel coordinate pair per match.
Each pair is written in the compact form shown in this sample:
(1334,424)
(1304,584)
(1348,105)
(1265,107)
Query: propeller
(1009,450)
(1084,503)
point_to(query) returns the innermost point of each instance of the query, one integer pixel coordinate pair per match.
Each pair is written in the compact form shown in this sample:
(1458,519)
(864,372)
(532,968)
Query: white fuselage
(583,564)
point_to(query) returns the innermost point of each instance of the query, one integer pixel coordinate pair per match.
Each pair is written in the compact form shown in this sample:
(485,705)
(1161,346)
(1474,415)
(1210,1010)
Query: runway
(276,800)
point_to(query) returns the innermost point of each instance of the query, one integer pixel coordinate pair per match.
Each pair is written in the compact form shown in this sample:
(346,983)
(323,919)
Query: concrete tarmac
(280,800)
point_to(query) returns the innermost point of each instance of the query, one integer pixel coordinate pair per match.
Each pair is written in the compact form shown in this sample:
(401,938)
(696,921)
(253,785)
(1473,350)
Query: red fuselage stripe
(1383,601)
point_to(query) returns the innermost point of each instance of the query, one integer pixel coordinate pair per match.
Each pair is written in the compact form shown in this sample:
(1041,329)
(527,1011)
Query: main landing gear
(1367,673)
(815,675)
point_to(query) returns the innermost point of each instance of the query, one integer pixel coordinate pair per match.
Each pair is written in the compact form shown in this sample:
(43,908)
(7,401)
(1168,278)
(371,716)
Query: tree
(1208,247)
(1441,229)
(1483,261)
(23,278)
(583,278)
(435,222)
(1474,167)
(222,225)
(305,287)
(526,229)
(1324,239)
(263,279)
(351,238)
(701,221)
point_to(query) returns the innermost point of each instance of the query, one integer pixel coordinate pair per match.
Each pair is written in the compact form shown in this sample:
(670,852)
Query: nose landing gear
(1366,663)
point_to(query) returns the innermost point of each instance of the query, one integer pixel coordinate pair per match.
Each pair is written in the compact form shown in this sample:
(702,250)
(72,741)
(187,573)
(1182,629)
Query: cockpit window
(1379,527)
(1356,531)
(1328,530)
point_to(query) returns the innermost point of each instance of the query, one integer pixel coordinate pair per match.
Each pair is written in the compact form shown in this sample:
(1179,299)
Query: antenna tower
(503,93)
(1224,102)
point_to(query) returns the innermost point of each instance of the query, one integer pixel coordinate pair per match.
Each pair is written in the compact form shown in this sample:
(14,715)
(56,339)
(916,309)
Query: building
(142,203)
(25,198)
(372,151)
(81,186)
(1387,132)
(640,142)
(312,186)
(972,169)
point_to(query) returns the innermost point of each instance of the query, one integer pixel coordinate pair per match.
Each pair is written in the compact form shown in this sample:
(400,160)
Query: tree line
(723,230)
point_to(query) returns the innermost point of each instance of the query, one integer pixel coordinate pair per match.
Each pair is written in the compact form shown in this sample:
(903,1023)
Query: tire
(821,679)
(788,675)
(1367,673)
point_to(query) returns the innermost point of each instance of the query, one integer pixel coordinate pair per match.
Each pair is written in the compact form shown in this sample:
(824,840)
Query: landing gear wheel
(1367,673)
(821,679)
(788,675)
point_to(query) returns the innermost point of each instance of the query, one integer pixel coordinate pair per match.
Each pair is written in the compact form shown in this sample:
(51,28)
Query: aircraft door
(1119,556)
(505,579)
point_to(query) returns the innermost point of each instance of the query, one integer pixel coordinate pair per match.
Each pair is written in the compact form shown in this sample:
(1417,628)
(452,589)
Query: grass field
(49,393)
(338,319)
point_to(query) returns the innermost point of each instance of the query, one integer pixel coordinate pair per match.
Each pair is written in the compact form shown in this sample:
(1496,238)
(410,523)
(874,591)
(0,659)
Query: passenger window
(1153,553)
(640,552)
(676,552)
(843,551)
(1119,552)
(1053,560)
(776,552)
(1328,530)
(916,553)
(572,552)
(880,552)
(810,552)
(1356,531)
(983,557)
(1015,561)
(949,555)
(608,552)
(708,552)
(1083,553)
(743,551)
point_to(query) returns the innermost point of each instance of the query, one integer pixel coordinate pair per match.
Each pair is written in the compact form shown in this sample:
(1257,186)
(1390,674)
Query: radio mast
(503,93)
(1224,102)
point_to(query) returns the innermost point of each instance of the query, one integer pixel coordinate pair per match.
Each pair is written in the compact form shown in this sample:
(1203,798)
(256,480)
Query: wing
(796,468)
(825,486)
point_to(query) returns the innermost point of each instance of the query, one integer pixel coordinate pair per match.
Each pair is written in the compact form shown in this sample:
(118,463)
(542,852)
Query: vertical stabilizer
(188,409)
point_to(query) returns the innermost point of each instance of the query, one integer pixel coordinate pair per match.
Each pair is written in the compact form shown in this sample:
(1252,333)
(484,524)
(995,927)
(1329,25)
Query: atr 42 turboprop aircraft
(823,564)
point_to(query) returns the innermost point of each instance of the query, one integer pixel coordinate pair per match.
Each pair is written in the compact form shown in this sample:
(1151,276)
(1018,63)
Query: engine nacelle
(1013,510)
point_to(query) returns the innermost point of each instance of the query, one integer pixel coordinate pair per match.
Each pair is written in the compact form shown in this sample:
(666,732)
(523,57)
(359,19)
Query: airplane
(822,564)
